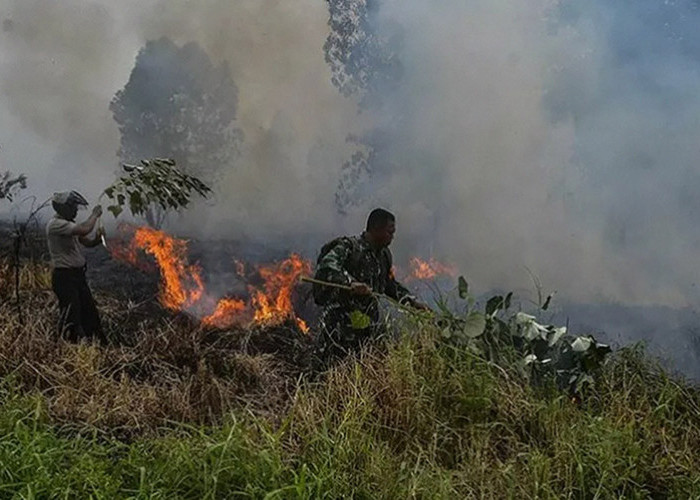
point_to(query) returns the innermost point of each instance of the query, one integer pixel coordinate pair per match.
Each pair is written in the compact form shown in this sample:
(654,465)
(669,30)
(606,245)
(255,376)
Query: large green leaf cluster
(156,182)
(542,351)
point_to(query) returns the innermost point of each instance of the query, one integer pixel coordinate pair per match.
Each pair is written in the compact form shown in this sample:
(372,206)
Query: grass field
(179,412)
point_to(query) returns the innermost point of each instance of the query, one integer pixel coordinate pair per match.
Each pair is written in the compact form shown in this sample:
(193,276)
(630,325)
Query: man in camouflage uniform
(363,263)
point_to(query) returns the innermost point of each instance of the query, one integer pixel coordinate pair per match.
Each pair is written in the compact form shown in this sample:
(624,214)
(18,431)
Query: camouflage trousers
(337,338)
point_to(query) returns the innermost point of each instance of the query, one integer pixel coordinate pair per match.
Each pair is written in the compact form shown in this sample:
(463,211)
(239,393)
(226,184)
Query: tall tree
(178,104)
(364,64)
(361,58)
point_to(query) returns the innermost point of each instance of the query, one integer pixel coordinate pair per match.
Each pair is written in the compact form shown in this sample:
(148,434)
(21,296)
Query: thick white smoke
(512,150)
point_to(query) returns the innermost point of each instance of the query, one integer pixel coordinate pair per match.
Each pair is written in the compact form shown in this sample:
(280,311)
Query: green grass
(419,420)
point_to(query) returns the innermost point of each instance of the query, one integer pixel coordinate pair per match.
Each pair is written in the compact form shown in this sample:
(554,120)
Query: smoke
(55,75)
(557,137)
(61,64)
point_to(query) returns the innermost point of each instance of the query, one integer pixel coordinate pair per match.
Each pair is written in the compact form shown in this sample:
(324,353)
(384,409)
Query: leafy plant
(543,350)
(155,182)
(10,184)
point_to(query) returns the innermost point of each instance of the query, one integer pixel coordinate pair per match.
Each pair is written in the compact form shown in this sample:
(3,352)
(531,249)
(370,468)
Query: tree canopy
(178,104)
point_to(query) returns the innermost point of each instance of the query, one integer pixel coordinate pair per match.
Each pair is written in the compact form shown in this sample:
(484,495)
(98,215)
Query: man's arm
(398,292)
(91,242)
(86,227)
(332,268)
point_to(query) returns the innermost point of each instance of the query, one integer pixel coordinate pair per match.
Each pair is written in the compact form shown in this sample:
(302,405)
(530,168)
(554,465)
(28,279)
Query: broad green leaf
(531,331)
(555,335)
(581,344)
(494,304)
(463,287)
(545,306)
(603,349)
(522,318)
(474,325)
(115,209)
(506,303)
(529,359)
(359,320)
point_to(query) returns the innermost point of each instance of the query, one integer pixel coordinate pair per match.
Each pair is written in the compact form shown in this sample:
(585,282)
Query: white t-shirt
(63,246)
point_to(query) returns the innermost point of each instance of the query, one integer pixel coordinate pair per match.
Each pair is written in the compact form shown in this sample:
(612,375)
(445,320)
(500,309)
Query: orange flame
(228,312)
(430,269)
(182,287)
(274,303)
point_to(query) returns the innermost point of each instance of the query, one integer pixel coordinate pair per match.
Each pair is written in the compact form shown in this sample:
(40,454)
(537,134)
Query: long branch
(378,295)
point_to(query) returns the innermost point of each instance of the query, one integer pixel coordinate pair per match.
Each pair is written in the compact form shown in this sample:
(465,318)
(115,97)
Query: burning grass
(170,369)
(184,411)
(182,287)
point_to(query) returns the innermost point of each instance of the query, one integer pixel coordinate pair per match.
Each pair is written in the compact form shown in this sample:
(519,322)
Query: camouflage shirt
(353,259)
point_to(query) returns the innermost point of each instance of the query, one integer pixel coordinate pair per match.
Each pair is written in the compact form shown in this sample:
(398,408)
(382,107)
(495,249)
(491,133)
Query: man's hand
(97,211)
(358,288)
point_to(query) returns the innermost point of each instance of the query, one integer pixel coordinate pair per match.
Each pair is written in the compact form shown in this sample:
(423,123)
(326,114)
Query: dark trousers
(78,313)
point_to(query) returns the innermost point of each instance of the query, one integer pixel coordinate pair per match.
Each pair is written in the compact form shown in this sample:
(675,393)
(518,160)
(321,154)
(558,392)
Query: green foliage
(543,351)
(11,184)
(156,182)
(418,417)
(359,320)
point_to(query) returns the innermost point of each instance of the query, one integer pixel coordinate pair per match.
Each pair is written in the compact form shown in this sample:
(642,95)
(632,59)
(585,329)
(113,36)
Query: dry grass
(171,371)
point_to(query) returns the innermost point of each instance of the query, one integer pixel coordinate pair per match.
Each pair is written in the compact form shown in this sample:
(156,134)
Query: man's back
(63,245)
(352,259)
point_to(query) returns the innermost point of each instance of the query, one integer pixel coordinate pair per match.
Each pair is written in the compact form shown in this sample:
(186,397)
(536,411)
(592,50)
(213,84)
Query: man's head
(66,204)
(381,226)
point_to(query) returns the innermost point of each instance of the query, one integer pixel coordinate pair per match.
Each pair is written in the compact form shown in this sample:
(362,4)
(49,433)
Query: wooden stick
(307,279)
(398,304)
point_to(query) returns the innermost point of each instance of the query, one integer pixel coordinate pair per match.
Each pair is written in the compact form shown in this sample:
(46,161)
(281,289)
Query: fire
(182,287)
(430,269)
(274,301)
(228,312)
(130,254)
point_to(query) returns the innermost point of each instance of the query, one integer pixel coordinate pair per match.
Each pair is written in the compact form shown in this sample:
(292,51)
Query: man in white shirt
(79,316)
